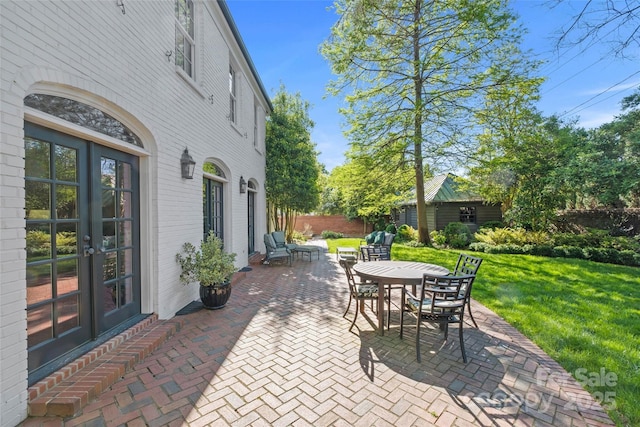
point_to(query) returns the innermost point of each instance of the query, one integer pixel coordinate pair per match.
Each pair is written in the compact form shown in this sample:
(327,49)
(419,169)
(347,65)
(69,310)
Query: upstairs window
(468,214)
(232,95)
(185,39)
(255,125)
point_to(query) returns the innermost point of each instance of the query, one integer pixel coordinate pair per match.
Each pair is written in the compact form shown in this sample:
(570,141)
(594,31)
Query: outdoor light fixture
(243,185)
(187,165)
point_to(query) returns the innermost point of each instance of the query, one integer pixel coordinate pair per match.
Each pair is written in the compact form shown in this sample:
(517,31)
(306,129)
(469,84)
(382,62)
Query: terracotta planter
(214,297)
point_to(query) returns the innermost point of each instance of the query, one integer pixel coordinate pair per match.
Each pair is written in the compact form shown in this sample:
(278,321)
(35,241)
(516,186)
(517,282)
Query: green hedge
(605,255)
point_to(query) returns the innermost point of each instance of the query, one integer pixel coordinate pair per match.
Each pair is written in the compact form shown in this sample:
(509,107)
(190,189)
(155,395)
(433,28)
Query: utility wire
(597,95)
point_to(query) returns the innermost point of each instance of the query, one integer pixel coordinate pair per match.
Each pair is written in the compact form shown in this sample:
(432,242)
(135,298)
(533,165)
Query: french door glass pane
(37,158)
(67,310)
(39,324)
(65,164)
(67,280)
(39,283)
(66,202)
(38,200)
(38,241)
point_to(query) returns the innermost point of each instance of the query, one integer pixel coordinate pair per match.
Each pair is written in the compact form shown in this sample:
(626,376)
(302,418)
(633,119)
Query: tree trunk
(421,209)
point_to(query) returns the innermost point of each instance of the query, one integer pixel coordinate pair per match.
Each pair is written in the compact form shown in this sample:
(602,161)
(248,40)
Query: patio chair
(377,242)
(381,253)
(281,241)
(360,292)
(468,264)
(441,300)
(274,252)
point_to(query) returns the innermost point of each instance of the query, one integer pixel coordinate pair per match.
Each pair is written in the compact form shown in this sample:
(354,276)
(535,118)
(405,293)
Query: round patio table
(395,273)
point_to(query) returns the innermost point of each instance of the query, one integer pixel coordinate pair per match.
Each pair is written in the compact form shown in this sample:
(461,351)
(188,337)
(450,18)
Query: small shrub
(479,247)
(391,228)
(568,252)
(406,233)
(541,250)
(458,235)
(414,244)
(499,236)
(298,236)
(492,225)
(438,238)
(326,234)
(628,257)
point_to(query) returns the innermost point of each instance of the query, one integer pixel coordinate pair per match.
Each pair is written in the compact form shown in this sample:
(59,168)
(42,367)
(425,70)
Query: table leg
(381,308)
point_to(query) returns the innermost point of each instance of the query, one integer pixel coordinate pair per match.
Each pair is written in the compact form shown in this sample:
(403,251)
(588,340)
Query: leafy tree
(292,167)
(366,189)
(608,166)
(415,72)
(524,165)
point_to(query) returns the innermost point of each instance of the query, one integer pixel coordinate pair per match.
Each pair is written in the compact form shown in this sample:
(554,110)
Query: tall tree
(292,166)
(608,166)
(366,189)
(415,71)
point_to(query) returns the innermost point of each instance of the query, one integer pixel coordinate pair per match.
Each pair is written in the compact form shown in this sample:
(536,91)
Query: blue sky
(283,38)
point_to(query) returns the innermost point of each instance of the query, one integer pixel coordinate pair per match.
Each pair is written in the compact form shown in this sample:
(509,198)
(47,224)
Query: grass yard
(585,315)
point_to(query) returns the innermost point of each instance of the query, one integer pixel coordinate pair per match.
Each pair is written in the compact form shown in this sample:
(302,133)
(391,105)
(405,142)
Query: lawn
(585,315)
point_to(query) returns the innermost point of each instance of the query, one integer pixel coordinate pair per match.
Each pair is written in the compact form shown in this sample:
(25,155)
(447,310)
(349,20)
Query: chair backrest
(376,253)
(446,294)
(279,238)
(388,240)
(346,263)
(269,242)
(467,264)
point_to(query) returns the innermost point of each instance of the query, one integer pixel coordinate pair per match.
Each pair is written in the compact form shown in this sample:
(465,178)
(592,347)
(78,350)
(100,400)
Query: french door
(83,260)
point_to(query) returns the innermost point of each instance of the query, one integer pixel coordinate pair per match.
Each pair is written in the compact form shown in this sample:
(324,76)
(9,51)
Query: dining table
(406,273)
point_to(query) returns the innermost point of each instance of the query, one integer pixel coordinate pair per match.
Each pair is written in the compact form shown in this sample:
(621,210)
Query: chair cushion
(269,241)
(379,239)
(388,239)
(369,238)
(367,290)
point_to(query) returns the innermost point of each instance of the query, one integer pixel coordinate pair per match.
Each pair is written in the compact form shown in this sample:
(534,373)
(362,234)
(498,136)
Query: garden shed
(448,202)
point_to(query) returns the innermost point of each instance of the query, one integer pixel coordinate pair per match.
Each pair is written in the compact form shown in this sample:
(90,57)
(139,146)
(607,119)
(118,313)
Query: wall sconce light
(120,4)
(187,165)
(243,185)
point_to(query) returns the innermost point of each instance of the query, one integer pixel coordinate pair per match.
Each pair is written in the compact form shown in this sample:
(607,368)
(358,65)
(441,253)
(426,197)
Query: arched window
(83,115)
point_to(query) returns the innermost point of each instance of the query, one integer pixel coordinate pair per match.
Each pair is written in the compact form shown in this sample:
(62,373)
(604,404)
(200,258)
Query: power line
(577,107)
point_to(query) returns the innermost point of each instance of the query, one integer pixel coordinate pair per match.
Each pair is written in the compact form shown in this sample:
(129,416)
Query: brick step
(65,392)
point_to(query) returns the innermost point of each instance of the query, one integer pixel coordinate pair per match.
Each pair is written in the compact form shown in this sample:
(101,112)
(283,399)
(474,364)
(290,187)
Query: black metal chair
(381,253)
(441,300)
(360,292)
(468,264)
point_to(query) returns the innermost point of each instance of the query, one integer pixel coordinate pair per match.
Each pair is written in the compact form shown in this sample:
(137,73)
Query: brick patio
(280,354)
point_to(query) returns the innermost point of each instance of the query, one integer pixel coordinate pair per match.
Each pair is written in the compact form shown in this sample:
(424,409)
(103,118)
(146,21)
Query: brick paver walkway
(280,354)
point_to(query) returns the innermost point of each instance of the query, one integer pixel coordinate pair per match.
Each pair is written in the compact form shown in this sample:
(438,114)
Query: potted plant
(211,266)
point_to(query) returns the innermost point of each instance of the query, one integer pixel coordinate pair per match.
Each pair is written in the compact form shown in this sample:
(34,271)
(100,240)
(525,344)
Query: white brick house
(99,99)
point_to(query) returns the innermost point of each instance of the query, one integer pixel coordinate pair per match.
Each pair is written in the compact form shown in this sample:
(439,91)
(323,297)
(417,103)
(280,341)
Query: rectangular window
(185,40)
(232,94)
(468,214)
(213,207)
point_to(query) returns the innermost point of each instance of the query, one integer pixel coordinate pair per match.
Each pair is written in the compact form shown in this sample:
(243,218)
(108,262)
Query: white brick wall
(90,51)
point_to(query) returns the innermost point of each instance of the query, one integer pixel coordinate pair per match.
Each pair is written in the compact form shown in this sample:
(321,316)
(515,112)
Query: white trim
(214,177)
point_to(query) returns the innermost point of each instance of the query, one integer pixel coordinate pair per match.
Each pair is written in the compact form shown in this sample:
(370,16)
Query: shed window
(468,214)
